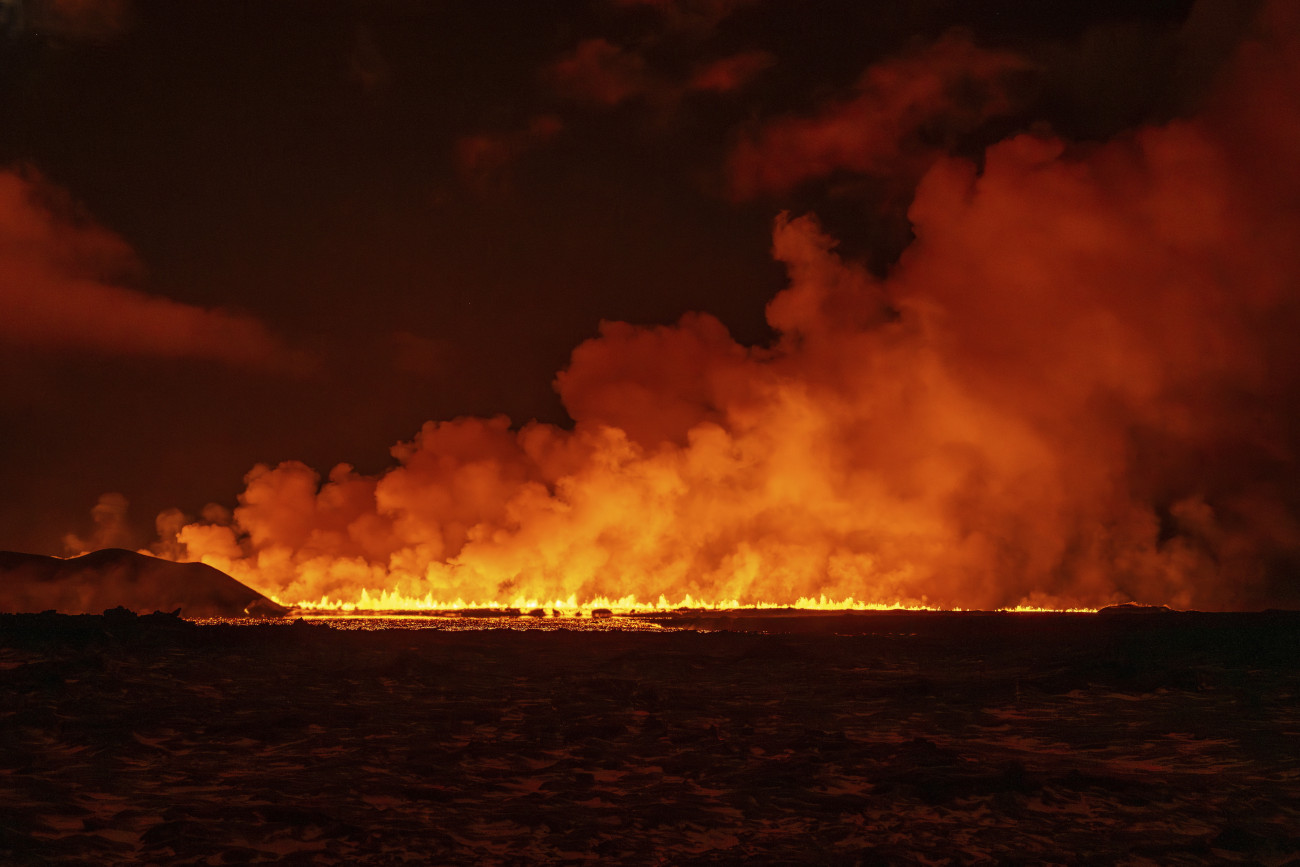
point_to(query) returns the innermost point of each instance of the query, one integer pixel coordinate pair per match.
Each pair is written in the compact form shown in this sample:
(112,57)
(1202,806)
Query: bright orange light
(385,600)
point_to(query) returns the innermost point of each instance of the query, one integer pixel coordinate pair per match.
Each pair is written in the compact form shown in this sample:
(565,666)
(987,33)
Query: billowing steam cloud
(951,87)
(65,285)
(111,530)
(1075,387)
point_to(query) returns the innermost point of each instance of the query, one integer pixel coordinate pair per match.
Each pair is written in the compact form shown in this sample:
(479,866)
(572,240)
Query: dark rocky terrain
(113,577)
(948,739)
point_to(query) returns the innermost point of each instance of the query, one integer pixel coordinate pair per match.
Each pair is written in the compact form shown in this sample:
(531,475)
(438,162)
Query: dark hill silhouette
(113,577)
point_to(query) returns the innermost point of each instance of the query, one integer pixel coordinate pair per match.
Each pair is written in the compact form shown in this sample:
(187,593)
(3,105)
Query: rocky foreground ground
(1086,740)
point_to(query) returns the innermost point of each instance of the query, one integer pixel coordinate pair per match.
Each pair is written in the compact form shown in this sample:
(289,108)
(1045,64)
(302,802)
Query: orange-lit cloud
(64,286)
(950,86)
(1076,387)
(485,160)
(600,72)
(111,527)
(731,73)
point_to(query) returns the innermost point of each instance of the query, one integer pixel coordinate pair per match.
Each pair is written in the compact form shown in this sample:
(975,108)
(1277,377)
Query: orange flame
(387,601)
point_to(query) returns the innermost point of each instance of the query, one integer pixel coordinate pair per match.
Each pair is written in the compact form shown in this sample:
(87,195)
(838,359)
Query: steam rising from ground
(1074,388)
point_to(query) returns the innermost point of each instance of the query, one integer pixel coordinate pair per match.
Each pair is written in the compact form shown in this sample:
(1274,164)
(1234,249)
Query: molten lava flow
(386,601)
(1073,389)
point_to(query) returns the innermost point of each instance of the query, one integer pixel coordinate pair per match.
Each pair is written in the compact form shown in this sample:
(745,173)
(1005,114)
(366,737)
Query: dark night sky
(312,164)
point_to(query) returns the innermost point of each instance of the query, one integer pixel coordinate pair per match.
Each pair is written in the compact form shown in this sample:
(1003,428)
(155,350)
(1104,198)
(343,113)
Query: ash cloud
(1074,388)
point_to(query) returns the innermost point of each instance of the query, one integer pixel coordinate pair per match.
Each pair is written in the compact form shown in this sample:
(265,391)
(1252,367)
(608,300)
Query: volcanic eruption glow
(387,601)
(1073,389)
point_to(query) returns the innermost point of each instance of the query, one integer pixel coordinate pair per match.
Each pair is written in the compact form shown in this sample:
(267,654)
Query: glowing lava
(386,601)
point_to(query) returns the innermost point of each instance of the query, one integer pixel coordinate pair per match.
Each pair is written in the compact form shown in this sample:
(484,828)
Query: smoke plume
(1074,388)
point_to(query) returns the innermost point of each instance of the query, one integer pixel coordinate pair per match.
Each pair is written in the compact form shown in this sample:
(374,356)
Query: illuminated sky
(371,214)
